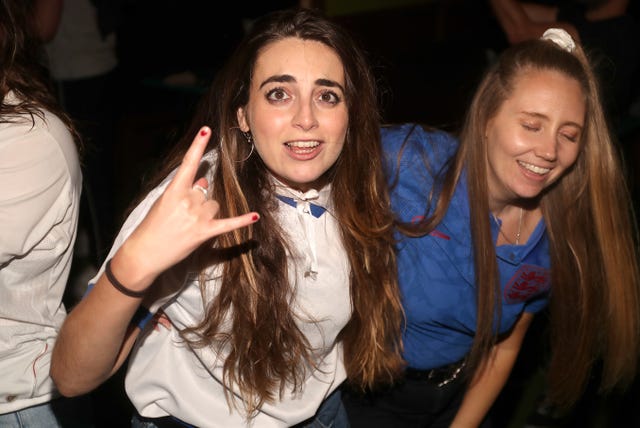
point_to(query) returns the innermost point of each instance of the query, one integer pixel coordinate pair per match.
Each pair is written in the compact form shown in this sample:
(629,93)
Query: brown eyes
(326,96)
(329,97)
(277,94)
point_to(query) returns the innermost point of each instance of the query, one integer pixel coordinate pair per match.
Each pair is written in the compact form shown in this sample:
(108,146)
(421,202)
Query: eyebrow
(287,78)
(543,116)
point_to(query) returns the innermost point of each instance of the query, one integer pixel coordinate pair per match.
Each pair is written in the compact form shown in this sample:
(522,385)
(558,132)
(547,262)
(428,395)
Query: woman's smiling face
(535,136)
(297,113)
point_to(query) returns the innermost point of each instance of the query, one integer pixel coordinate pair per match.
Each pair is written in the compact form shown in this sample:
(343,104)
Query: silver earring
(247,135)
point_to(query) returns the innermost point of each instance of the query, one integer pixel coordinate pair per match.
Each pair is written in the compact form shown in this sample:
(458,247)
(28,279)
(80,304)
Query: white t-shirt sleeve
(33,172)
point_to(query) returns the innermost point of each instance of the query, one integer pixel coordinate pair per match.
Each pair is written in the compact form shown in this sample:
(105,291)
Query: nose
(305,116)
(547,148)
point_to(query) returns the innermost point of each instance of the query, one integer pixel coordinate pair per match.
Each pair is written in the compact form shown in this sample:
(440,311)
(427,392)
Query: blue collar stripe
(316,210)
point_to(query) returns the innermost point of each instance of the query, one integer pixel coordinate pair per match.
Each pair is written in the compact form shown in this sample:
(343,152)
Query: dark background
(428,58)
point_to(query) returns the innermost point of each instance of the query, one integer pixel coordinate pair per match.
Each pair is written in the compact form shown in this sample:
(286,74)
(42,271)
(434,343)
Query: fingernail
(255,217)
(204,131)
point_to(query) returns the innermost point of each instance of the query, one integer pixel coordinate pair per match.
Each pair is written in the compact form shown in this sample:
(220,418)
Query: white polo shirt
(167,377)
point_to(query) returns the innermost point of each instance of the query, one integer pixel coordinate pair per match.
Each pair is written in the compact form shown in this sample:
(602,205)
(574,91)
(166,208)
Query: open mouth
(302,147)
(533,168)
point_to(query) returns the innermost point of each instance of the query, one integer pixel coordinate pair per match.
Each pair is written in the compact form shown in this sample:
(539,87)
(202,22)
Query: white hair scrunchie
(560,37)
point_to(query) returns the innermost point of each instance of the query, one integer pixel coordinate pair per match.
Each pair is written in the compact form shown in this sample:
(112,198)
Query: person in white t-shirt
(40,187)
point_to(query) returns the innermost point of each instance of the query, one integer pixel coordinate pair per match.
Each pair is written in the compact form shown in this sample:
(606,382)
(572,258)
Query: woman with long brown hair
(271,256)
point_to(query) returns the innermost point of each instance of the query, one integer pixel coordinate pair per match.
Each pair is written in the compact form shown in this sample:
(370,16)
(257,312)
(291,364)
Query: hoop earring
(249,155)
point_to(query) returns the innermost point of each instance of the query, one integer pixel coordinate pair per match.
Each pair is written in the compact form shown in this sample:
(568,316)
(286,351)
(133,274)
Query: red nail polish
(255,217)
(203,132)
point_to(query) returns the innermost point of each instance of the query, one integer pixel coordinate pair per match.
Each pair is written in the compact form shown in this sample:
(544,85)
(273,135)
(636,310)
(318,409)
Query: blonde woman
(530,208)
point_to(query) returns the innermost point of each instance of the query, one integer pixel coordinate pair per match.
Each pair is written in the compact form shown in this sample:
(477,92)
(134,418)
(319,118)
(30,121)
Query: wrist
(123,289)
(128,271)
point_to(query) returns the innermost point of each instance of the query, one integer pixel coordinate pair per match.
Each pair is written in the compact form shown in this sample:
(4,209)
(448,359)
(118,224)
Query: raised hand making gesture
(180,220)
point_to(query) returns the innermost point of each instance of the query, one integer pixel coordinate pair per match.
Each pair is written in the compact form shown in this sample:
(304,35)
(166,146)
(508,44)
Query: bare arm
(540,13)
(487,384)
(96,337)
(607,10)
(545,14)
(526,21)
(93,342)
(47,17)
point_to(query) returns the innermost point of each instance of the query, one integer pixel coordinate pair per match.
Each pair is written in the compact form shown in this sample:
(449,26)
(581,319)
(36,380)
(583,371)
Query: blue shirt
(436,272)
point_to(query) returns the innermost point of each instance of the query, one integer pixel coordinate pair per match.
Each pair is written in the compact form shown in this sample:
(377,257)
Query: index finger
(187,170)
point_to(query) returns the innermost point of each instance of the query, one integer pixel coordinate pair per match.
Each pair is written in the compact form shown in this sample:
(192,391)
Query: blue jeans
(331,414)
(58,413)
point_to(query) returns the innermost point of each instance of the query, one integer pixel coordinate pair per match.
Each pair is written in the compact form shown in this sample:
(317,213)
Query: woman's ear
(242,120)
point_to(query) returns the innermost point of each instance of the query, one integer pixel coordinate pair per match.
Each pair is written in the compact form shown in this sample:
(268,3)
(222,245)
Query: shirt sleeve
(33,173)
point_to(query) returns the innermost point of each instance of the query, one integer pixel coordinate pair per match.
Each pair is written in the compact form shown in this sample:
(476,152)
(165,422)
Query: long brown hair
(594,304)
(22,68)
(267,351)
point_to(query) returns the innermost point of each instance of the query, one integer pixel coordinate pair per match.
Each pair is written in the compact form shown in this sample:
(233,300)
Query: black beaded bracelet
(118,286)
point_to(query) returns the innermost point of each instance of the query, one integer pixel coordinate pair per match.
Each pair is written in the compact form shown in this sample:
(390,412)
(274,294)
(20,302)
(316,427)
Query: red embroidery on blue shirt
(438,234)
(417,219)
(435,233)
(528,281)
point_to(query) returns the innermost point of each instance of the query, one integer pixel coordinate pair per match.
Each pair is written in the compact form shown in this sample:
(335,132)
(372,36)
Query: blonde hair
(595,296)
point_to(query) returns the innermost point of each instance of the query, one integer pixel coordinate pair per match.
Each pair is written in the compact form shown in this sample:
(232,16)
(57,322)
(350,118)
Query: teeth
(534,168)
(303,144)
